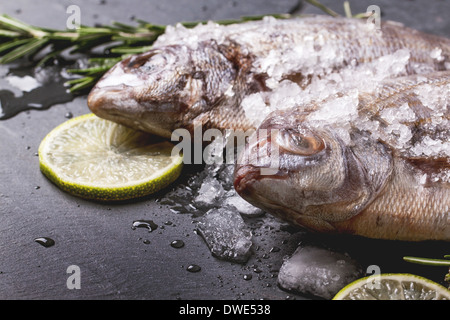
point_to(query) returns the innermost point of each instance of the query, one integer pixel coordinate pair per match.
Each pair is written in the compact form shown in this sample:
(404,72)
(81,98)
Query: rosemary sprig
(89,76)
(347,9)
(323,8)
(429,262)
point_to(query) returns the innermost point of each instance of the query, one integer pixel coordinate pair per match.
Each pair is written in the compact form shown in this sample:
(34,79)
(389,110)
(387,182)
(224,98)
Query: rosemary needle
(428,262)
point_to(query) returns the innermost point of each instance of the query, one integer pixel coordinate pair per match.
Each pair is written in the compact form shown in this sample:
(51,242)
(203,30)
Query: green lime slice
(393,286)
(98,159)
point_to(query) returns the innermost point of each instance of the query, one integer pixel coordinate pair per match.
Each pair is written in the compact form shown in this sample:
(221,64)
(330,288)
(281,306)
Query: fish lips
(246,180)
(119,105)
(111,101)
(246,175)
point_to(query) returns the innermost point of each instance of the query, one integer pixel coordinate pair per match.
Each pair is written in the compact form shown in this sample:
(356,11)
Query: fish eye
(157,59)
(302,143)
(149,58)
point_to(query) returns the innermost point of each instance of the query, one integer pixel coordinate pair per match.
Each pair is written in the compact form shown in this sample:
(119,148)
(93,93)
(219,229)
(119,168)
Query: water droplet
(247,277)
(46,242)
(37,187)
(275,249)
(148,224)
(68,115)
(336,277)
(28,147)
(177,244)
(193,268)
(146,241)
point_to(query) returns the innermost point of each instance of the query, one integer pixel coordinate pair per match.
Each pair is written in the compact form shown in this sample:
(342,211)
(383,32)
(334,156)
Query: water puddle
(24,87)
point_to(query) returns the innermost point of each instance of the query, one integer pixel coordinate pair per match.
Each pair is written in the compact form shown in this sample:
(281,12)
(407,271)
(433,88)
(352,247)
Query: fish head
(153,91)
(301,173)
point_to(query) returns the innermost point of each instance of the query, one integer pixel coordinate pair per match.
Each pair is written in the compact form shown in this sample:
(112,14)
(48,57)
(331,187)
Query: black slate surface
(115,261)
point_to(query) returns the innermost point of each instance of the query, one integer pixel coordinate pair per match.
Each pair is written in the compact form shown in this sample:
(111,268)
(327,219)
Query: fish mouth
(244,176)
(97,100)
(104,102)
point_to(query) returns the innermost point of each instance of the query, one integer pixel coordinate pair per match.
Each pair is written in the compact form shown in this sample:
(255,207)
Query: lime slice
(101,160)
(393,286)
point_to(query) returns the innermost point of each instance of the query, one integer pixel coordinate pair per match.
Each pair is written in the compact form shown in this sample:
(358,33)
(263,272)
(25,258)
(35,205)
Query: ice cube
(210,193)
(399,114)
(436,53)
(255,108)
(226,176)
(26,83)
(317,271)
(434,97)
(243,207)
(431,147)
(338,110)
(226,234)
(285,96)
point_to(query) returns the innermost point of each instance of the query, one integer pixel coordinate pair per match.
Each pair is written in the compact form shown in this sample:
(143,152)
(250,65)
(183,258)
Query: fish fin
(368,169)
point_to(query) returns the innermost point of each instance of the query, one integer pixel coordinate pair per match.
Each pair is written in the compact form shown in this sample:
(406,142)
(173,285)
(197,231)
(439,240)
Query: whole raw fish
(373,164)
(202,75)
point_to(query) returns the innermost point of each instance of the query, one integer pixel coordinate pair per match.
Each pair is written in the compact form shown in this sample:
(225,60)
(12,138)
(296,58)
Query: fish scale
(405,213)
